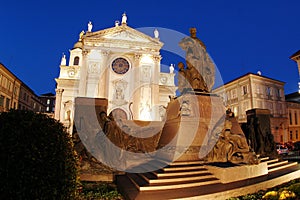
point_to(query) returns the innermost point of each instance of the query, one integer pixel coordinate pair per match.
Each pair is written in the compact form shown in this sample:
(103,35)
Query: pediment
(122,33)
(126,35)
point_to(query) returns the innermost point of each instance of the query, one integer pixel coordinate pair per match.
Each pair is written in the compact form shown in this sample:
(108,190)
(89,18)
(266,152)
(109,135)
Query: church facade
(119,64)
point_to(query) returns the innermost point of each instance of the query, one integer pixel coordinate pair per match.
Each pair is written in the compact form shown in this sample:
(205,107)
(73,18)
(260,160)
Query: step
(184,168)
(178,186)
(178,180)
(292,164)
(180,173)
(264,159)
(137,180)
(179,163)
(272,161)
(277,164)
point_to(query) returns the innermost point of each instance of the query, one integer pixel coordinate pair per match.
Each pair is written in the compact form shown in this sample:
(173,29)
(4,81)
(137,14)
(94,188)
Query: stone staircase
(192,180)
(276,165)
(177,175)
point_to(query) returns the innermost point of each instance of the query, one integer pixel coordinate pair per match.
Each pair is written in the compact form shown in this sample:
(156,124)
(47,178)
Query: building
(296,57)
(14,94)
(293,107)
(120,64)
(48,99)
(28,100)
(256,91)
(9,89)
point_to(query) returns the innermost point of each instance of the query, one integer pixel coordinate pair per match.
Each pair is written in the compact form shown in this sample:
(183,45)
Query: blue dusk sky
(240,36)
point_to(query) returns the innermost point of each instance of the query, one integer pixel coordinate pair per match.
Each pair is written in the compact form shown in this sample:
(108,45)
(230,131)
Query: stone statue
(197,57)
(156,33)
(81,35)
(260,139)
(231,145)
(190,78)
(124,18)
(63,61)
(171,68)
(182,80)
(90,26)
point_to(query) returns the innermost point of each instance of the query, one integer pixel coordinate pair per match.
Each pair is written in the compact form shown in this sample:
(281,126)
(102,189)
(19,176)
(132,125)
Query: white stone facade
(120,64)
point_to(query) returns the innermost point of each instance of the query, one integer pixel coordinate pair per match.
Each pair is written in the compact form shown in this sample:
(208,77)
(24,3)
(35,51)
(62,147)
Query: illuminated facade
(120,64)
(256,91)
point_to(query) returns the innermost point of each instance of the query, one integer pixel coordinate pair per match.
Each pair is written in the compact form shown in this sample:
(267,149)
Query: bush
(37,160)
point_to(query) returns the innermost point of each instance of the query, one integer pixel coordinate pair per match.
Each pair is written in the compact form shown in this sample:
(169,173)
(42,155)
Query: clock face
(120,65)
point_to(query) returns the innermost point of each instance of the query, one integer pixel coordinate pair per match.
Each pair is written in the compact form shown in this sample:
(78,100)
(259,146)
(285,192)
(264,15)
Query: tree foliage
(37,160)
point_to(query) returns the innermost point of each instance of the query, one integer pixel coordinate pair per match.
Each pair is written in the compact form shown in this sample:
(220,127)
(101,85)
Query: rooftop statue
(81,35)
(200,71)
(90,26)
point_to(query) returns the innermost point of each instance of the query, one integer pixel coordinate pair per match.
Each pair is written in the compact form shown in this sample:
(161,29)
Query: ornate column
(136,89)
(58,103)
(83,73)
(103,79)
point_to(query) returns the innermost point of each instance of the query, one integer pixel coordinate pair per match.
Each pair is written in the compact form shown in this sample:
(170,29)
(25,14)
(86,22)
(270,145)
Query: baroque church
(119,64)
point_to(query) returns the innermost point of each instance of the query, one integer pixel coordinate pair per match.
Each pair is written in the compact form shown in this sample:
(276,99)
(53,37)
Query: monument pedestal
(190,122)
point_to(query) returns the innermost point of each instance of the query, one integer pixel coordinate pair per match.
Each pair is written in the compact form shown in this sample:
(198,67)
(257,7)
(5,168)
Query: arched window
(76,61)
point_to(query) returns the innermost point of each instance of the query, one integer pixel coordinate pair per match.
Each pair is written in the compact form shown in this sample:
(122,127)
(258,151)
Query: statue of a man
(197,57)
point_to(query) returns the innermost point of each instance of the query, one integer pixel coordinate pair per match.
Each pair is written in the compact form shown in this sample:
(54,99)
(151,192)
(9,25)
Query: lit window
(76,61)
(47,109)
(48,101)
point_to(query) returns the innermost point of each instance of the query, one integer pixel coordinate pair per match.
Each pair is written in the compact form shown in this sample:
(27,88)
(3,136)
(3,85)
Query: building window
(233,94)
(291,135)
(7,105)
(15,90)
(296,118)
(2,100)
(47,109)
(244,90)
(76,61)
(296,134)
(268,91)
(258,89)
(48,101)
(15,105)
(278,92)
(290,116)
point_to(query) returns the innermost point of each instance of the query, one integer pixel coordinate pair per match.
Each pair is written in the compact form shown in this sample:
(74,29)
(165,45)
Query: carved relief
(137,57)
(157,58)
(94,67)
(145,74)
(119,92)
(185,108)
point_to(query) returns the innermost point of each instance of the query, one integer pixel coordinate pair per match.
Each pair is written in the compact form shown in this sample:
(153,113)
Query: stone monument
(258,132)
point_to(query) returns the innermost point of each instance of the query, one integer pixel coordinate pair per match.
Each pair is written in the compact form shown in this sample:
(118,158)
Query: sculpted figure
(195,79)
(231,146)
(197,57)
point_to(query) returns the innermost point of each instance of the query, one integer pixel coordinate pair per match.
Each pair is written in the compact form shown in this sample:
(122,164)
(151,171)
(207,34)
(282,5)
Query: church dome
(78,45)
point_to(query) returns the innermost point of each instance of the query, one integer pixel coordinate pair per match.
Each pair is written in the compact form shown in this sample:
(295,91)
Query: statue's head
(193,32)
(180,65)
